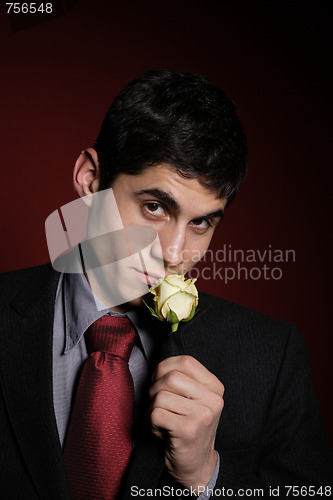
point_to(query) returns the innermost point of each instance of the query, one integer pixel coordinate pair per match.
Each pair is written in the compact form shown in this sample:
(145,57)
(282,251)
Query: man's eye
(154,208)
(201,223)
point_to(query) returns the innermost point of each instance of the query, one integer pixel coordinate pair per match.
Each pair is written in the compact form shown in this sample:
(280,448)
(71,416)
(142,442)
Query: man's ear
(86,174)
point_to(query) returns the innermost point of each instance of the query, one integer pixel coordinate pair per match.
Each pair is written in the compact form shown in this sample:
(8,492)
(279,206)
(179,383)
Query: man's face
(181,210)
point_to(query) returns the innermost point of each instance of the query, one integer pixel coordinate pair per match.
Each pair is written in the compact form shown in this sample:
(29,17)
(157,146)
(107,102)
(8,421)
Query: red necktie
(99,438)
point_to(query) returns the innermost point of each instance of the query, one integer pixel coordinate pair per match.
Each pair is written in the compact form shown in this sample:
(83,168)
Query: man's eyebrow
(167,198)
(162,196)
(212,215)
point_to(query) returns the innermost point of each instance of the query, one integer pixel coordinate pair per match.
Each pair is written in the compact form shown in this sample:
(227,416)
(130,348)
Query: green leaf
(174,327)
(172,317)
(150,308)
(152,312)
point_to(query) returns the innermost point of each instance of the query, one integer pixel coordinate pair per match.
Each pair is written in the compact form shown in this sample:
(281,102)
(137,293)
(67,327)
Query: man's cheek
(191,258)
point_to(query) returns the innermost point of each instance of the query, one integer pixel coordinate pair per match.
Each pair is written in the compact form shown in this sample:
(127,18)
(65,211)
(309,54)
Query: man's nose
(172,241)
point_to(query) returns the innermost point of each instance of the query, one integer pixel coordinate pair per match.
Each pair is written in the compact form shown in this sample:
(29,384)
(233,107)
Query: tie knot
(111,334)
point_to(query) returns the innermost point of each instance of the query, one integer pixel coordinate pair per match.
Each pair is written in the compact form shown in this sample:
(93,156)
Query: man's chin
(131,304)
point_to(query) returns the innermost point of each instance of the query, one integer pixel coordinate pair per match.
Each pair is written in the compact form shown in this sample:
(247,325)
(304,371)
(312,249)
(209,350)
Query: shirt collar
(80,306)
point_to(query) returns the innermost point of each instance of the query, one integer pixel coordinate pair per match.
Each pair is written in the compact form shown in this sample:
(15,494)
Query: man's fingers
(172,402)
(186,364)
(189,391)
(190,367)
(177,405)
(178,383)
(180,418)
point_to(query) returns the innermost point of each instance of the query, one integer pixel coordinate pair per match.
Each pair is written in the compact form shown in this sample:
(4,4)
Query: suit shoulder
(12,282)
(248,337)
(238,318)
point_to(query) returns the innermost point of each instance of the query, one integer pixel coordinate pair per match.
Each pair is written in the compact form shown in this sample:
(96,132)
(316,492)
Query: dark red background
(272,57)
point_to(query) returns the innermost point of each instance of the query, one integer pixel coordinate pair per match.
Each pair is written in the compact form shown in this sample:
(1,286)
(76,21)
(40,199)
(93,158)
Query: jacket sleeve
(293,449)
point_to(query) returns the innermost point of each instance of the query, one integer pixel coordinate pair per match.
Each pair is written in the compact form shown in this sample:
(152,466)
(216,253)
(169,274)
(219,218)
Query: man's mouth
(145,277)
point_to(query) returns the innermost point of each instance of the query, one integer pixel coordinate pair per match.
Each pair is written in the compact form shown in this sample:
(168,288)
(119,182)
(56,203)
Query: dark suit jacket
(270,432)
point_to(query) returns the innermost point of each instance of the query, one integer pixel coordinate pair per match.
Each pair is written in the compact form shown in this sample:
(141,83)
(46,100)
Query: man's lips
(143,276)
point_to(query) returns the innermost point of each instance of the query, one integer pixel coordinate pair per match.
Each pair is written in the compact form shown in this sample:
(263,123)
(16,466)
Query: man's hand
(186,404)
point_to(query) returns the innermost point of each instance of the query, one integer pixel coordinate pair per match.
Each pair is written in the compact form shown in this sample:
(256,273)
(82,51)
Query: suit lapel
(27,382)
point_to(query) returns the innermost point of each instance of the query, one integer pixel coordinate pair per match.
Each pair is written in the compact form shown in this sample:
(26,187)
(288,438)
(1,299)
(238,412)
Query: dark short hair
(180,119)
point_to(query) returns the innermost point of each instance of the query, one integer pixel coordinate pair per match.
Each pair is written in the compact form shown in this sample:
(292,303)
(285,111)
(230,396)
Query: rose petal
(163,292)
(191,288)
(177,280)
(181,303)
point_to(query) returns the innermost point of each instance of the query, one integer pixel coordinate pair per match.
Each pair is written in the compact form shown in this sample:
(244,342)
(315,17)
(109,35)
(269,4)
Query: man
(173,151)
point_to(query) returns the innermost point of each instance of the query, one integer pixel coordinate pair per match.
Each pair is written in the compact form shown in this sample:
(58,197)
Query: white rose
(175,299)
